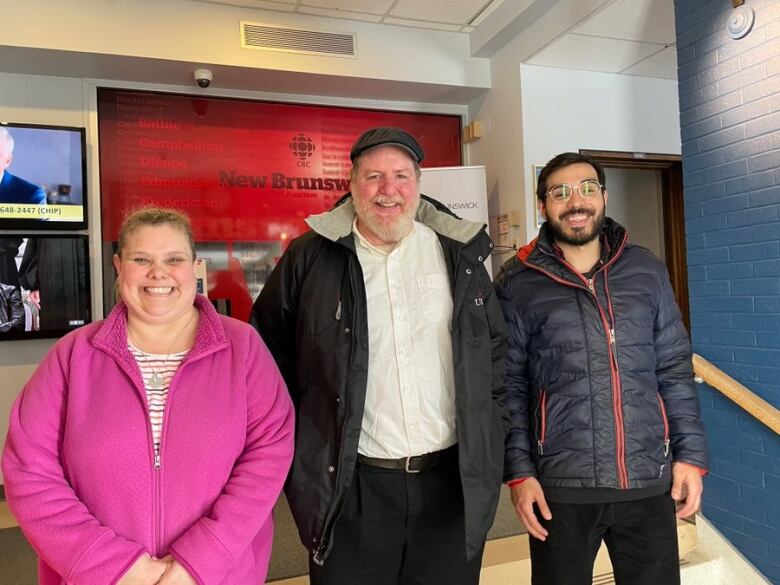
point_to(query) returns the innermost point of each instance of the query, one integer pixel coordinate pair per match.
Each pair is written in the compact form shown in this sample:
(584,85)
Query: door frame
(673,204)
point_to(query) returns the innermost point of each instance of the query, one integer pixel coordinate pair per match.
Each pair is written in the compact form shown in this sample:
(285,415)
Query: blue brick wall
(730,128)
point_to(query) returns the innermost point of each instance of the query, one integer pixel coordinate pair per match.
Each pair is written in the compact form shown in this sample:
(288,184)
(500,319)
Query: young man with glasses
(605,434)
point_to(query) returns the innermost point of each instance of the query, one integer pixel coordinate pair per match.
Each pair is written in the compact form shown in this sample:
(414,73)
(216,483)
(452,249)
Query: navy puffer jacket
(599,380)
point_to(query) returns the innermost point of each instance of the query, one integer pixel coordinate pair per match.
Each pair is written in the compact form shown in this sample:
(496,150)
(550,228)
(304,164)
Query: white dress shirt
(410,398)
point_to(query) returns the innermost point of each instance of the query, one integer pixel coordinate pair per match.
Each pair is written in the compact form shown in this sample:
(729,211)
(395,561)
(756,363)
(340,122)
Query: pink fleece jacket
(79,465)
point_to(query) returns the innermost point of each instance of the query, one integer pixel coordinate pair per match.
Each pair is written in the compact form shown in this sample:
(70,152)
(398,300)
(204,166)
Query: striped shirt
(164,366)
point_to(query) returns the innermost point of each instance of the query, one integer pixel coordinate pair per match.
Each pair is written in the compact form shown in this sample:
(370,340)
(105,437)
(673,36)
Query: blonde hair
(154,216)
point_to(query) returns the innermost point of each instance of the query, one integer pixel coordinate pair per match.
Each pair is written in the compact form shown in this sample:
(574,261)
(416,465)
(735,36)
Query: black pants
(401,528)
(641,537)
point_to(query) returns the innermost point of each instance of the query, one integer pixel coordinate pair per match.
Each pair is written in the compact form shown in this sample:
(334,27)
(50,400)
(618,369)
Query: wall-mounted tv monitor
(43,177)
(44,285)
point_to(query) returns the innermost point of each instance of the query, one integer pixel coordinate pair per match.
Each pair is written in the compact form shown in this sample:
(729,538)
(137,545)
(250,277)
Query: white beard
(389,231)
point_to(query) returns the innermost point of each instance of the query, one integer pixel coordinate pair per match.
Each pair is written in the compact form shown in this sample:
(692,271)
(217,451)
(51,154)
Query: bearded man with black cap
(383,322)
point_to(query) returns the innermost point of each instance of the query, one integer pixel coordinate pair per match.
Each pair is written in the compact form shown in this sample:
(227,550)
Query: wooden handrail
(741,395)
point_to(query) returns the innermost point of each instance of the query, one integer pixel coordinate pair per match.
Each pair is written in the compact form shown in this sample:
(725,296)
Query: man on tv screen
(13,189)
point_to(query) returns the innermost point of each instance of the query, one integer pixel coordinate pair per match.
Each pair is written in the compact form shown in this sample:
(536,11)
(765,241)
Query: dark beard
(578,238)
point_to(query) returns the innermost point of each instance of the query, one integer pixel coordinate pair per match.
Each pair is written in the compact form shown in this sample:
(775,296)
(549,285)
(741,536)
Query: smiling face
(385,191)
(578,220)
(156,274)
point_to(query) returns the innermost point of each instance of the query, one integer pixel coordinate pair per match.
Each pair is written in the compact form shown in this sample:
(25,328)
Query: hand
(524,496)
(686,488)
(144,571)
(176,574)
(35,298)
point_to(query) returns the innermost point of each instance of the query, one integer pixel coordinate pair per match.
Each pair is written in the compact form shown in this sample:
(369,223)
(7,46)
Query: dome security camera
(203,77)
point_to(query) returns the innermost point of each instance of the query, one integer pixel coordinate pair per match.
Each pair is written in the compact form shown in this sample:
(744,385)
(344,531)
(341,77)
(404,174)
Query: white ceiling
(451,15)
(634,37)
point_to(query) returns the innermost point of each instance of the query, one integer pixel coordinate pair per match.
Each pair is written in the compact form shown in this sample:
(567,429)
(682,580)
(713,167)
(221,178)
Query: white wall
(566,110)
(500,150)
(635,201)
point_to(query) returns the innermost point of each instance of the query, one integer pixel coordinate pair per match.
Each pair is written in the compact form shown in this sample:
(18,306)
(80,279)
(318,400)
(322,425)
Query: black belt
(414,464)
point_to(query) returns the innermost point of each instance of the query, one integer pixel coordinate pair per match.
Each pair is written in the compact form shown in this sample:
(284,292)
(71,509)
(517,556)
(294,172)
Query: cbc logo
(302,147)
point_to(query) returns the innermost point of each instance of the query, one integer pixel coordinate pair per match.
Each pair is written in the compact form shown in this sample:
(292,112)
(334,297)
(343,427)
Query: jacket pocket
(666,424)
(435,296)
(541,422)
(324,316)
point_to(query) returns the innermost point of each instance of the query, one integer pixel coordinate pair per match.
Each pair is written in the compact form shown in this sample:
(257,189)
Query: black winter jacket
(312,315)
(11,308)
(599,380)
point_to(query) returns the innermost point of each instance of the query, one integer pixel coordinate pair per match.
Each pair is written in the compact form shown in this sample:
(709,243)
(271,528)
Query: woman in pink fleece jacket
(151,447)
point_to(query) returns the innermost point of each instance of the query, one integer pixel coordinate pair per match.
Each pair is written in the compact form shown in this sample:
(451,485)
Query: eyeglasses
(587,189)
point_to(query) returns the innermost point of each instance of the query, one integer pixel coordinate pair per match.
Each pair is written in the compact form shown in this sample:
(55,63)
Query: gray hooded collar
(337,223)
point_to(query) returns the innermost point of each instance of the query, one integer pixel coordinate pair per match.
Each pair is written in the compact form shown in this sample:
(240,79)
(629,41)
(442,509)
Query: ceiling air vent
(268,37)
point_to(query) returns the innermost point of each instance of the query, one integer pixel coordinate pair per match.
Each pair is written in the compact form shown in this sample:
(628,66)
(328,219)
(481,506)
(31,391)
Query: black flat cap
(386,136)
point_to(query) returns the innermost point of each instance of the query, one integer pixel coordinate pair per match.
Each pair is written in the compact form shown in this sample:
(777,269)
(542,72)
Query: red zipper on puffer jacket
(617,397)
(614,369)
(542,421)
(666,424)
